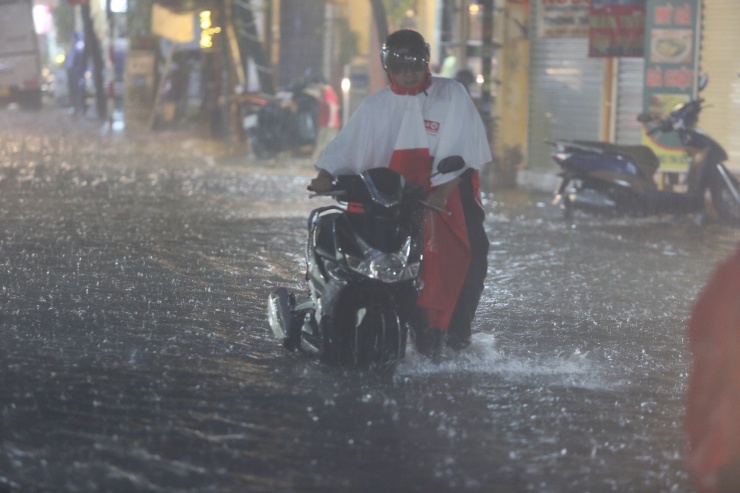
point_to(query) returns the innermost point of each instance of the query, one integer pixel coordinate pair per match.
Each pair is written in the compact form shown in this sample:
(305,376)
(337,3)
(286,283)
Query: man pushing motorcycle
(410,126)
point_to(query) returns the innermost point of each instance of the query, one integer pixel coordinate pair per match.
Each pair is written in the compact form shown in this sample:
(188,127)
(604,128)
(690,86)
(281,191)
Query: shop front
(579,89)
(572,93)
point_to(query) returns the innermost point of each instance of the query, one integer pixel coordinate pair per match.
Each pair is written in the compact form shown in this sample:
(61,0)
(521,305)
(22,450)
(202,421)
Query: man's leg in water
(427,340)
(459,331)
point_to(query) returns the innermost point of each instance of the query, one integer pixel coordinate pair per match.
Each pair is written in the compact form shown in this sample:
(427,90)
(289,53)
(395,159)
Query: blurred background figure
(466,78)
(449,62)
(713,406)
(76,64)
(328,121)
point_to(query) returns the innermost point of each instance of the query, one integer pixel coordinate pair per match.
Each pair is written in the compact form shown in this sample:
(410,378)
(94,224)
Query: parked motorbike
(604,178)
(363,260)
(275,125)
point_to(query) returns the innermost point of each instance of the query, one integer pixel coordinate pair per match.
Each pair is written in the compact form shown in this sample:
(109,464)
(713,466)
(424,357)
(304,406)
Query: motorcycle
(275,125)
(363,261)
(611,179)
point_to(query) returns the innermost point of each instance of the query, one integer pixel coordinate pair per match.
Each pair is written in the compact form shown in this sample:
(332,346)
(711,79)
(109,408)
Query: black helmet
(404,48)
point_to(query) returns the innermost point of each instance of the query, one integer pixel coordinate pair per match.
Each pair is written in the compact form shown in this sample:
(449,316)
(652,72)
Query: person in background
(76,64)
(465,77)
(329,121)
(712,421)
(449,64)
(410,126)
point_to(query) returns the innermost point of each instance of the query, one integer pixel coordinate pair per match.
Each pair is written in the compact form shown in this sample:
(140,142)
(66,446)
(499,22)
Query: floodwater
(135,353)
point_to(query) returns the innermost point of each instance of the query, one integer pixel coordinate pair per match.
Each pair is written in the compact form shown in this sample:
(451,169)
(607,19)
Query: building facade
(576,96)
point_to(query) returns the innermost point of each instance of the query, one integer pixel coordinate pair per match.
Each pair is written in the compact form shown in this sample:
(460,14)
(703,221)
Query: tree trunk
(92,47)
(250,46)
(381,19)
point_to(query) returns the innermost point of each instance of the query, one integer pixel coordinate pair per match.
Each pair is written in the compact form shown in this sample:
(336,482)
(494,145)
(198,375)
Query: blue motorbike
(617,180)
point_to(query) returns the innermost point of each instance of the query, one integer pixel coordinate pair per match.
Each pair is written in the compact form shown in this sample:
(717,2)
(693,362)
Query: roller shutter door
(564,96)
(630,84)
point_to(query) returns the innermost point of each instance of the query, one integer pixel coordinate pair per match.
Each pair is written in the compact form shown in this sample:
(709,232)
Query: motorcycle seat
(642,156)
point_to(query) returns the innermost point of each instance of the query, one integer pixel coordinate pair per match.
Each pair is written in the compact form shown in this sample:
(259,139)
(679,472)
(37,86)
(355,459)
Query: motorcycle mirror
(703,81)
(644,117)
(450,164)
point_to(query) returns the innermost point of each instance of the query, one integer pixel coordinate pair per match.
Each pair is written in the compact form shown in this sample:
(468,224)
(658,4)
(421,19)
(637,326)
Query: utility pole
(462,11)
(487,51)
(235,75)
(381,19)
(92,50)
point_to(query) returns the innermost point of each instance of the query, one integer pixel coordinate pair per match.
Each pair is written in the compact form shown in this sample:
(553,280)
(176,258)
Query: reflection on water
(136,355)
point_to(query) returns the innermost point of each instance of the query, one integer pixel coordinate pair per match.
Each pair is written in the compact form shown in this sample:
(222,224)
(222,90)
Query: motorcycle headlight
(385,267)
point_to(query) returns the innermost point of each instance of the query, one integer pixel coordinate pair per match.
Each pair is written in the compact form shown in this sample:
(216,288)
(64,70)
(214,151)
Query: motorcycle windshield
(384,185)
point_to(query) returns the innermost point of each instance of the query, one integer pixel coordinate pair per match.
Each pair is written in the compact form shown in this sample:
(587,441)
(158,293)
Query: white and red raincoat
(411,134)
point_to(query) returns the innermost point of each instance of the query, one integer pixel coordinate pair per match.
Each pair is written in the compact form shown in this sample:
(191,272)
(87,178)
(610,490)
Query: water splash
(485,358)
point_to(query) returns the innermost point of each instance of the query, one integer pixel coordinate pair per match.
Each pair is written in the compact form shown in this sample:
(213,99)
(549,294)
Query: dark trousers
(467,303)
(428,339)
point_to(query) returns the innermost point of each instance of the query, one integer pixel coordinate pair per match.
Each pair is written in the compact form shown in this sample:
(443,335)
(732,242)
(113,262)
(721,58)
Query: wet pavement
(135,353)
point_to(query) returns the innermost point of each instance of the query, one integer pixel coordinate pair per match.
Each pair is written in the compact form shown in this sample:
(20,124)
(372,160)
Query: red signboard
(616,28)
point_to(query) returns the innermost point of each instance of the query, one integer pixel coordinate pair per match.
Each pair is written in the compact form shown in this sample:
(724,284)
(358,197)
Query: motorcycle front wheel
(726,197)
(284,321)
(362,336)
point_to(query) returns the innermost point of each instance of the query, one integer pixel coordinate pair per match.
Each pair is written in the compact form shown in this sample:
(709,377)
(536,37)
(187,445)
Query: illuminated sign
(207,29)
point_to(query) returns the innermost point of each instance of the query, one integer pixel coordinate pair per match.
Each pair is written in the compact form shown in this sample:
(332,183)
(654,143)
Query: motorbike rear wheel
(363,336)
(726,197)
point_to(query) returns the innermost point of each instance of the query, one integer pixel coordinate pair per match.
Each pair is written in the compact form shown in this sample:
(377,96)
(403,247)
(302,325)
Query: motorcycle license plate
(4,92)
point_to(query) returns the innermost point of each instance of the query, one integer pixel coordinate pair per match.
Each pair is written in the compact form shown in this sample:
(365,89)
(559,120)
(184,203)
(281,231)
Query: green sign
(671,60)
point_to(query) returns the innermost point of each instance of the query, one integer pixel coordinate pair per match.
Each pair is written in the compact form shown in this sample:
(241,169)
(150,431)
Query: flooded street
(135,353)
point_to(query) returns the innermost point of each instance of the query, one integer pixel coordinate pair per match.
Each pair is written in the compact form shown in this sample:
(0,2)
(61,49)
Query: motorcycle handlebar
(339,193)
(686,112)
(331,193)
